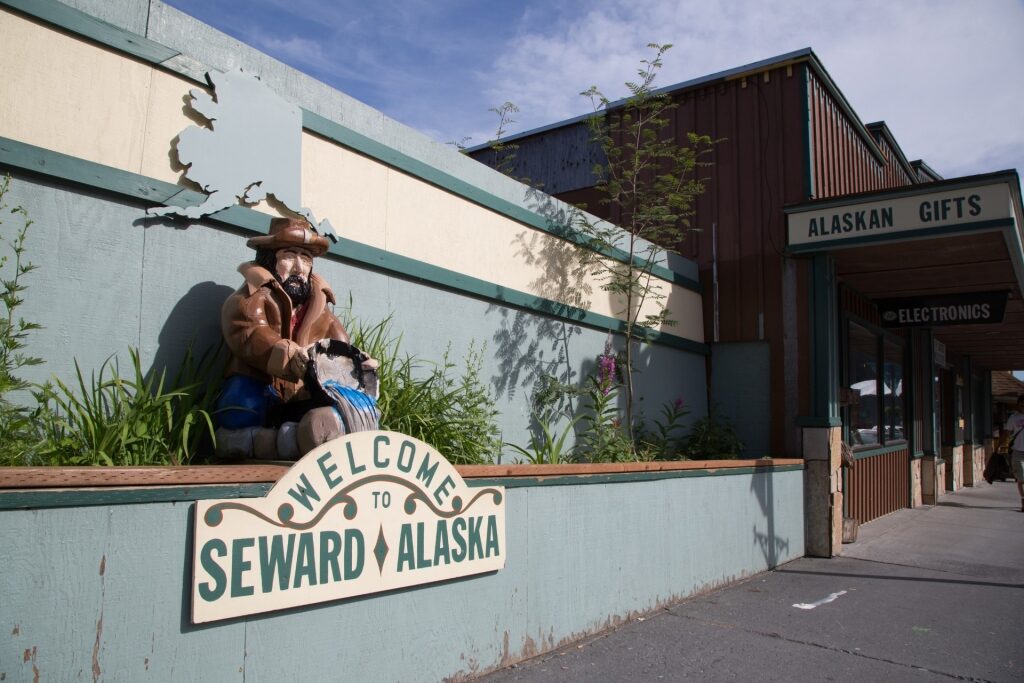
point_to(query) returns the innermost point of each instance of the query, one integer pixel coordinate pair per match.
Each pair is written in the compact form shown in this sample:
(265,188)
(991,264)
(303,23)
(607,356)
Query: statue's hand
(297,365)
(288,360)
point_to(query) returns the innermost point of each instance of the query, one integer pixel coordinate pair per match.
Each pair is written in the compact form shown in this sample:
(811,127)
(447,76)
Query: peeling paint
(96,671)
(30,656)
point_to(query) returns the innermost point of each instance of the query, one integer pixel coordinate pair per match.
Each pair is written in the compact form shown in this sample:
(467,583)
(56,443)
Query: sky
(944,75)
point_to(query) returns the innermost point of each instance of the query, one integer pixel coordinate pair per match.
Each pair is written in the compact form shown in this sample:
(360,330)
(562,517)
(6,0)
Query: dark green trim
(119,39)
(416,168)
(885,450)
(88,26)
(1008,177)
(65,498)
(34,159)
(906,235)
(824,323)
(808,141)
(626,477)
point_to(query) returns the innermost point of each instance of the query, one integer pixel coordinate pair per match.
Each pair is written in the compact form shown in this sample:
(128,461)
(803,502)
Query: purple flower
(678,404)
(605,372)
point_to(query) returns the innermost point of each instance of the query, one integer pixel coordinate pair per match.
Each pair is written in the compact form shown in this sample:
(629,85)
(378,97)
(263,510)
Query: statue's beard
(297,289)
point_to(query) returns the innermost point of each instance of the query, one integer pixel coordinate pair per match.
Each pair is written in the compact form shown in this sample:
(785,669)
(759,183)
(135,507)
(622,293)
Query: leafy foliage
(649,183)
(18,437)
(712,437)
(455,412)
(113,420)
(665,441)
(602,438)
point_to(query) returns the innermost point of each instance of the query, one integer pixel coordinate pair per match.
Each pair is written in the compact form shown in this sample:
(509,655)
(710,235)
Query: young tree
(649,181)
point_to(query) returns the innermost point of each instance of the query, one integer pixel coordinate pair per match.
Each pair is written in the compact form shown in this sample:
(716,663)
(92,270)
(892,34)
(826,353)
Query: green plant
(665,440)
(455,412)
(547,447)
(602,438)
(712,437)
(18,433)
(113,420)
(649,185)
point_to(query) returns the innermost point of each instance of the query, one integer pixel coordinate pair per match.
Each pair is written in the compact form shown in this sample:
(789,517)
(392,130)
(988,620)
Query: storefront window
(875,379)
(863,382)
(892,380)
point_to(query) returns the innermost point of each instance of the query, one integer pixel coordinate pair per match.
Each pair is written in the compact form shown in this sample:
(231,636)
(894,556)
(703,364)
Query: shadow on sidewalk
(993,584)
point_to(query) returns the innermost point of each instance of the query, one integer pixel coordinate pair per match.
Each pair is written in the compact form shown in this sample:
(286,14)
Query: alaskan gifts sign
(367,512)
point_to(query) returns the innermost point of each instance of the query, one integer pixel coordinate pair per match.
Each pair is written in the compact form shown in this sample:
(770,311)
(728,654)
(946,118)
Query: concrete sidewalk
(930,594)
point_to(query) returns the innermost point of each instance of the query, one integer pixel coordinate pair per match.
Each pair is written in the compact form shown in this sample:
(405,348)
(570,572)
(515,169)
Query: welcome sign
(367,512)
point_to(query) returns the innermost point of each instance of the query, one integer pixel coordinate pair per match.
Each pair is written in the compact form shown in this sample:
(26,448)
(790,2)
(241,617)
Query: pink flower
(606,372)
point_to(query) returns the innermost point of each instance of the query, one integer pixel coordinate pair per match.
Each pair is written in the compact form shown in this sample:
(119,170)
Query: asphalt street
(929,594)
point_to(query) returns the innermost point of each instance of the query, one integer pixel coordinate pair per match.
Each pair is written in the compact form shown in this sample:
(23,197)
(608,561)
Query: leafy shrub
(712,437)
(18,434)
(666,439)
(455,412)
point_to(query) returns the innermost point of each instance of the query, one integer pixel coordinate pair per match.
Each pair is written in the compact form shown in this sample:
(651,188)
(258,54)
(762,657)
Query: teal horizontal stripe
(626,477)
(117,38)
(88,26)
(553,225)
(66,498)
(52,164)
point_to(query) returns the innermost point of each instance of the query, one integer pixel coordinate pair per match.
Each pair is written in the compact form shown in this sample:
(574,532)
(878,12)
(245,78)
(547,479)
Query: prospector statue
(293,381)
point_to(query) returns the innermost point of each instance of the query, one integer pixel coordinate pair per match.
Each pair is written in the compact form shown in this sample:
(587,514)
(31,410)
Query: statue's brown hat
(290,232)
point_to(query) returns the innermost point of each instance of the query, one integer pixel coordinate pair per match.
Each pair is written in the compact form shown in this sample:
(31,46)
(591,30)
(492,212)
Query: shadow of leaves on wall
(531,348)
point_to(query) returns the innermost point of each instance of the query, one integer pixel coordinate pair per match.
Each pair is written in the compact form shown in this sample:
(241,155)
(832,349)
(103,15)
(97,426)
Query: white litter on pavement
(812,605)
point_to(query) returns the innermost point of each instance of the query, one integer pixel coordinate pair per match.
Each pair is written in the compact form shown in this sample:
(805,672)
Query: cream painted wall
(80,99)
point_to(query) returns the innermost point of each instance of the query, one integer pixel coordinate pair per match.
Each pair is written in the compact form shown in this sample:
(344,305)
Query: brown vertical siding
(854,303)
(844,162)
(759,166)
(878,485)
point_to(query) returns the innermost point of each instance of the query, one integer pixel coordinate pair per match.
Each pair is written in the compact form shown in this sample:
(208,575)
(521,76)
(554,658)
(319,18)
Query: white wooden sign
(367,512)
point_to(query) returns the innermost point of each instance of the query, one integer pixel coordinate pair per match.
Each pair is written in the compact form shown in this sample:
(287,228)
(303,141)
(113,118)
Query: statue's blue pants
(245,402)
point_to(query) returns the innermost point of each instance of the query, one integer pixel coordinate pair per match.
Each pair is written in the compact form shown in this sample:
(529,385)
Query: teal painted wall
(102,592)
(109,277)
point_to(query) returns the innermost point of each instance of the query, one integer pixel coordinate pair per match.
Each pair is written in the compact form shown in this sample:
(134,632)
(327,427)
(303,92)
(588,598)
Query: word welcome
(368,512)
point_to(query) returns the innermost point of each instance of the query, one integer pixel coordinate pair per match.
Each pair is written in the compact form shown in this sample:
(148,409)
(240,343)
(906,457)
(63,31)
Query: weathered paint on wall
(97,593)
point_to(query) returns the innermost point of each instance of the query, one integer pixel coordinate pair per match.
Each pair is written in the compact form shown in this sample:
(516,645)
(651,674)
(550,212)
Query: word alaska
(368,512)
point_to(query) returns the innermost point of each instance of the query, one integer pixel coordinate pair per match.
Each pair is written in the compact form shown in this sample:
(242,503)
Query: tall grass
(451,410)
(139,419)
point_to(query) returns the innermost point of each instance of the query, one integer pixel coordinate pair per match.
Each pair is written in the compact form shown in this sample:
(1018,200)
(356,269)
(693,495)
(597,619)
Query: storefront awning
(926,245)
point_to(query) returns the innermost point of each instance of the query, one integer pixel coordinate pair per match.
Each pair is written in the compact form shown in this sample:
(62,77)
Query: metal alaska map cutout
(250,149)
(364,513)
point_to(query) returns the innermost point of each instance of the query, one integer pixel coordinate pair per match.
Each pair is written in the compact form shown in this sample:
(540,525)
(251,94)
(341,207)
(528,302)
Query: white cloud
(942,73)
(935,71)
